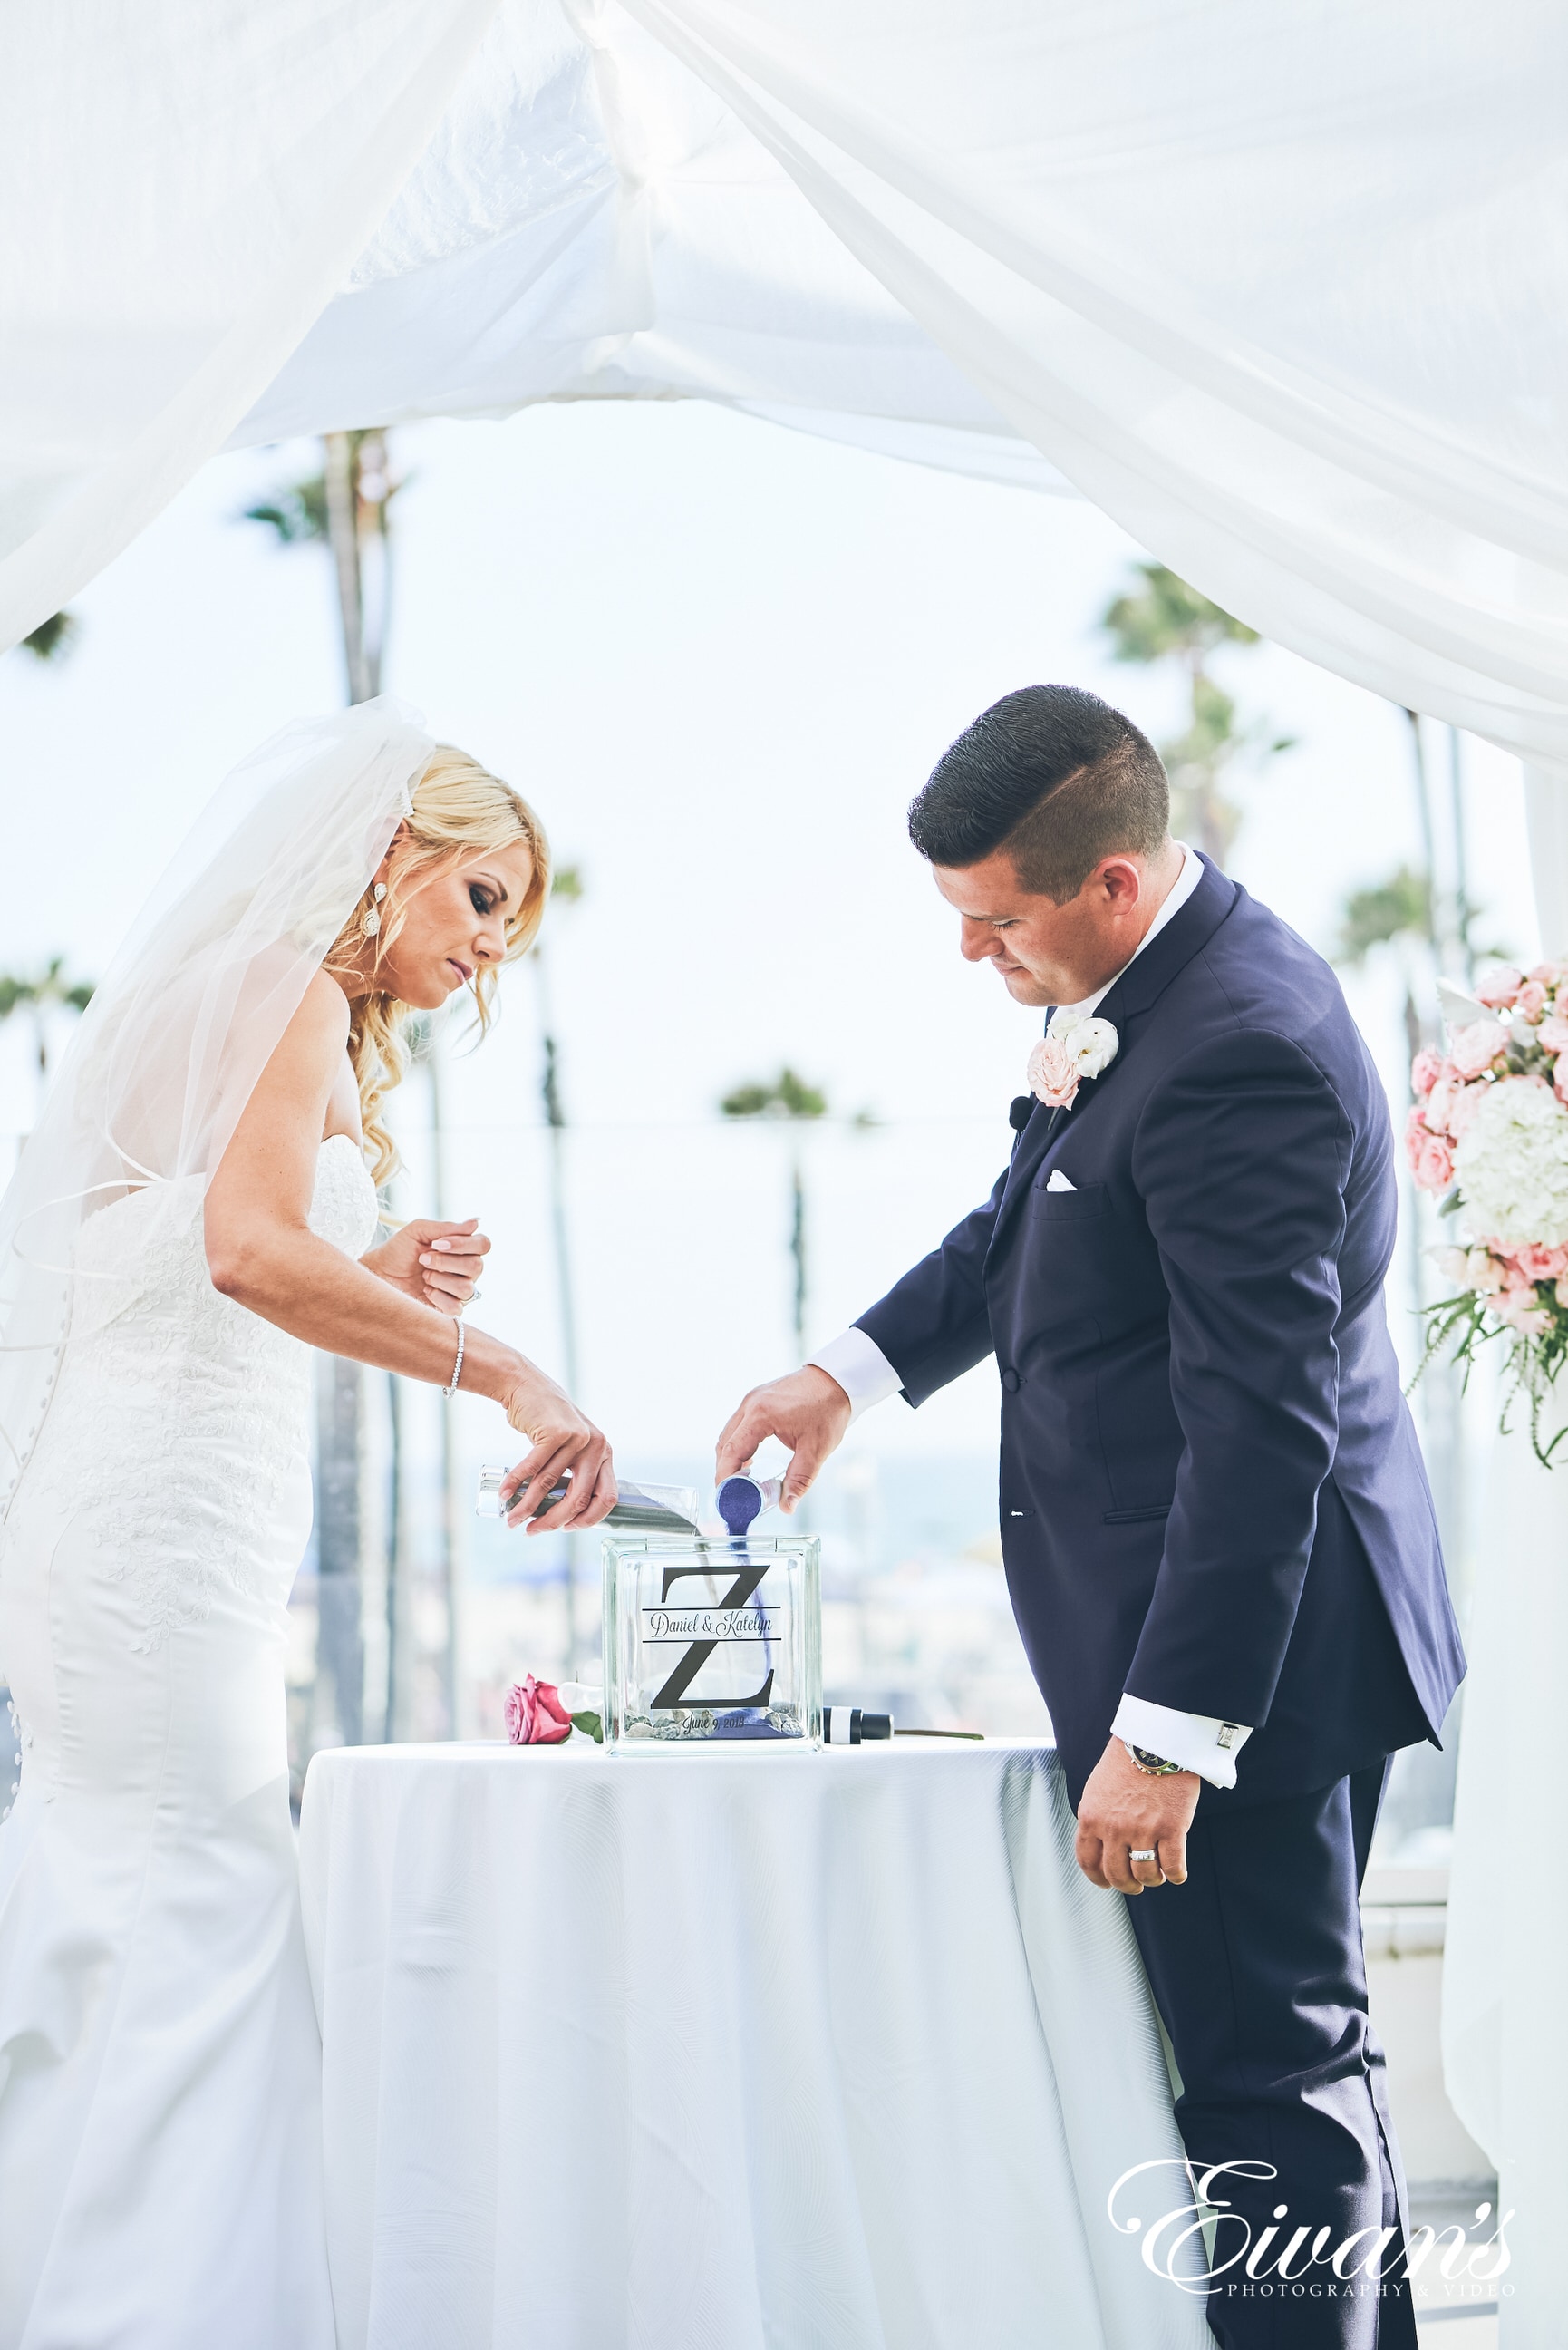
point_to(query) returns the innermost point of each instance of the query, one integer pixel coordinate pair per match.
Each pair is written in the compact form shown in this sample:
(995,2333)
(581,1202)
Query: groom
(1219,1537)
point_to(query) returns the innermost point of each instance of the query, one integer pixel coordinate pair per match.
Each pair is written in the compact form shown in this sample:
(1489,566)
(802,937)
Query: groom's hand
(1124,1811)
(808,1411)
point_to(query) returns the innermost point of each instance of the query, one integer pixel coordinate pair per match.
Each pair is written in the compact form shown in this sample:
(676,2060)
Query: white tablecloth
(733,2052)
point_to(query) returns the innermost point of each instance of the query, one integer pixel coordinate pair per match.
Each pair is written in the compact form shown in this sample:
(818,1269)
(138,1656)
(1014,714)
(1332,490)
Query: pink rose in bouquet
(1476,1045)
(1431,1161)
(1552,1034)
(1499,988)
(1463,1104)
(1537,1263)
(1518,1308)
(535,1714)
(1486,1271)
(1439,1100)
(1531,1001)
(1424,1070)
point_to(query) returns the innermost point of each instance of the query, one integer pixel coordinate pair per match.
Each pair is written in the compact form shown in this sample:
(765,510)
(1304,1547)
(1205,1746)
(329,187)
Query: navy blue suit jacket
(1212,1491)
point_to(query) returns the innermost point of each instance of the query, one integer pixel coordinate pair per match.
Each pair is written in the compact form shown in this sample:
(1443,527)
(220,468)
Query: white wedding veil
(165,1057)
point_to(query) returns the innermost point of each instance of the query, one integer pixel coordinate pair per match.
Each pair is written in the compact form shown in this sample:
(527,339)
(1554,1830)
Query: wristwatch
(1153,1766)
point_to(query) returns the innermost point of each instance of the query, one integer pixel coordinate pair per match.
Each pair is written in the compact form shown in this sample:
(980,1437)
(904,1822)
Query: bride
(193,1213)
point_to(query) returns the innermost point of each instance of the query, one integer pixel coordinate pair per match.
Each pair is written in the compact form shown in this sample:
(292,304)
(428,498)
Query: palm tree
(1164,619)
(786,1096)
(41,995)
(345,509)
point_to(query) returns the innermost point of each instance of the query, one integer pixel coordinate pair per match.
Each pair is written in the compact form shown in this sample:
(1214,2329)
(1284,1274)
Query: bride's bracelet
(457,1368)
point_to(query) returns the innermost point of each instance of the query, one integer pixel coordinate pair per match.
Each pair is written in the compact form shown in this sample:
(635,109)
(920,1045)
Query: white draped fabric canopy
(1283,288)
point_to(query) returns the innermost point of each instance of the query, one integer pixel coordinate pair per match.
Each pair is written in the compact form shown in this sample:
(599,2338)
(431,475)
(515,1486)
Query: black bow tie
(1021,1111)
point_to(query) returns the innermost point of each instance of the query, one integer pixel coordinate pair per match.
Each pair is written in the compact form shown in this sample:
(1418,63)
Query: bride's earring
(372,921)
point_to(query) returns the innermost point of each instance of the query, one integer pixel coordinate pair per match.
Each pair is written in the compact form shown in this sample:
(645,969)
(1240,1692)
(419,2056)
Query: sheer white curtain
(1284,290)
(184,185)
(1281,289)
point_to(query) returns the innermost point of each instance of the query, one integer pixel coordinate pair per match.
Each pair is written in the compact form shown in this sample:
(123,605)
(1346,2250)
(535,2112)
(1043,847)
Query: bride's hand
(434,1263)
(564,1440)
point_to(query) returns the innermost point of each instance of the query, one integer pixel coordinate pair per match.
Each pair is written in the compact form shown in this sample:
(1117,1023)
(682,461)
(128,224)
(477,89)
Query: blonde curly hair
(459,810)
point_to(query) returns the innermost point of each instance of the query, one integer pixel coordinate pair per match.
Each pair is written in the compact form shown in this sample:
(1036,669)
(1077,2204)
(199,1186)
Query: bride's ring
(473,1294)
(1142,1856)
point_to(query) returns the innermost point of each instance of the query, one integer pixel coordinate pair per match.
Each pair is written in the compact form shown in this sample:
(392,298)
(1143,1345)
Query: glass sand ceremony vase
(713,1642)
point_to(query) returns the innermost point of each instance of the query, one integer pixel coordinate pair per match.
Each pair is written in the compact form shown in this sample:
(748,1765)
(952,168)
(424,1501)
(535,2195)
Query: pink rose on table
(1500,987)
(535,1714)
(1424,1070)
(1476,1045)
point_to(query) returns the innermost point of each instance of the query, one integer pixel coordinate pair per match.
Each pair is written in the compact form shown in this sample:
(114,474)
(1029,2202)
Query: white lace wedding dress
(160,2094)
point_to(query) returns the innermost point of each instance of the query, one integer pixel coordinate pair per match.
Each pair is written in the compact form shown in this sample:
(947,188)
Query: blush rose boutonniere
(540,1714)
(1073,1047)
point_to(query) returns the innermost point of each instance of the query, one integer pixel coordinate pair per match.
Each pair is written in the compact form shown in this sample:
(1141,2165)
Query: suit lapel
(1138,988)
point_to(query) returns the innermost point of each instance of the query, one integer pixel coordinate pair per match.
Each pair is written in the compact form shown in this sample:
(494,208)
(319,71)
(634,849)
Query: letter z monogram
(673,1693)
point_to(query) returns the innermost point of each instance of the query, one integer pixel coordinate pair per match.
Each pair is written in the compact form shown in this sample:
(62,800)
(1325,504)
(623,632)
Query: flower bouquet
(1489,1129)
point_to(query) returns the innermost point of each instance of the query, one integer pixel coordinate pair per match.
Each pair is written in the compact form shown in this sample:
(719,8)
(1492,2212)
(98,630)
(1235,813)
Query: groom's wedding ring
(1142,1856)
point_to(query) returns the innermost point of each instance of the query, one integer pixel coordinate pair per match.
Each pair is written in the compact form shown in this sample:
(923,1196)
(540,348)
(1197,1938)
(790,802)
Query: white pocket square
(1059,1181)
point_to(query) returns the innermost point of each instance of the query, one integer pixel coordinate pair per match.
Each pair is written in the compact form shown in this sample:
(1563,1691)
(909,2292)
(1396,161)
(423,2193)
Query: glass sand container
(711,1643)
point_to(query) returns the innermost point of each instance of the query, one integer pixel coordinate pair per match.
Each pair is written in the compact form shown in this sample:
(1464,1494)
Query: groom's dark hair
(1056,777)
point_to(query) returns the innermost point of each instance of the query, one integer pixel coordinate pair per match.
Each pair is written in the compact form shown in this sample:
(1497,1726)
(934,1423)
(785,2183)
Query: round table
(728,2051)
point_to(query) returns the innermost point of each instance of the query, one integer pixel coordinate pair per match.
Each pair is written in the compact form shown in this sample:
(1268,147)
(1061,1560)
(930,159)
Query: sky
(720,658)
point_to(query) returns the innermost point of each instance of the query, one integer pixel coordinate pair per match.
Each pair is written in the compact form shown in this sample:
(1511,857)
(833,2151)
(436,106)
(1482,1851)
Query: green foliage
(1165,620)
(53,639)
(297,513)
(36,995)
(1460,1326)
(787,1096)
(48,988)
(566,883)
(1400,907)
(1166,617)
(297,510)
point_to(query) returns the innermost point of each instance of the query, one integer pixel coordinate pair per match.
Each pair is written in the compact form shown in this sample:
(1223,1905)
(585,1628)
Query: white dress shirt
(861,1368)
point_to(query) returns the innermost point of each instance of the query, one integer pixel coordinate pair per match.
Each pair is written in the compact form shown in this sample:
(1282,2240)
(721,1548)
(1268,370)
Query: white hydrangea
(1512,1166)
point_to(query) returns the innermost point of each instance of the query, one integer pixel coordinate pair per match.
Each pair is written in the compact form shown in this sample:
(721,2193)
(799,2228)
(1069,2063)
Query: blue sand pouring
(743,1500)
